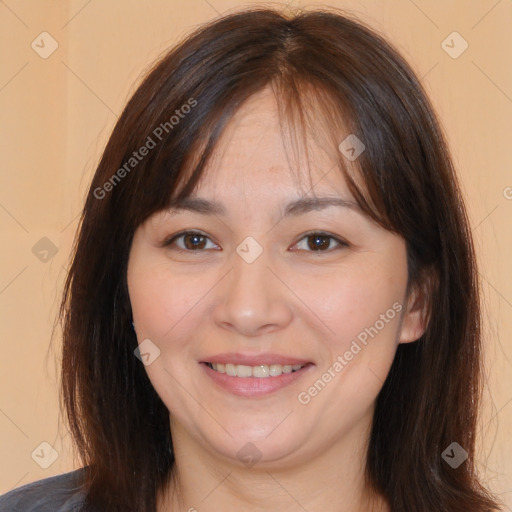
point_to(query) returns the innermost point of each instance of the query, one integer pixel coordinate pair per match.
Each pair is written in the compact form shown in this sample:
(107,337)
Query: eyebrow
(294,208)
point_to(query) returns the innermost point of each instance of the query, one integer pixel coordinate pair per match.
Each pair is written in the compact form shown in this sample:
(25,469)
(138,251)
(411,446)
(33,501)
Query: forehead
(260,154)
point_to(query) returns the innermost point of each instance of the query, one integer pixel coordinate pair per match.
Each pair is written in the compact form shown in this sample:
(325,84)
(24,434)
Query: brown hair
(431,395)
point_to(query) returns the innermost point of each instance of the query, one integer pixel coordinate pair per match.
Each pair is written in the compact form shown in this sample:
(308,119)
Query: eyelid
(169,240)
(341,243)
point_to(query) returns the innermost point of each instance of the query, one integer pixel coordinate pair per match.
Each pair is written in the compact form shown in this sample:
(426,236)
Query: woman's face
(260,291)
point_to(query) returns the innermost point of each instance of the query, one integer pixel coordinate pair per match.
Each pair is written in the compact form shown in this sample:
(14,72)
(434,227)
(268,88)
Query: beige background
(58,112)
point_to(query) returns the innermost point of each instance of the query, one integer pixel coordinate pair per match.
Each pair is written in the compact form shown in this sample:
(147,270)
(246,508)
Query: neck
(333,480)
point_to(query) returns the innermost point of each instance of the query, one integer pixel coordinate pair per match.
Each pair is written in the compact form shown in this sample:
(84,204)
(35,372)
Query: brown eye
(321,242)
(189,241)
(194,241)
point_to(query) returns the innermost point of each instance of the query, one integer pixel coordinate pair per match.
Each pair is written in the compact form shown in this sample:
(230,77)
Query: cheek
(163,304)
(166,309)
(350,304)
(362,310)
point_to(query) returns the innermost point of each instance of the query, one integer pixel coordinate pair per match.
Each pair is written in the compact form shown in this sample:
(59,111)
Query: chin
(256,445)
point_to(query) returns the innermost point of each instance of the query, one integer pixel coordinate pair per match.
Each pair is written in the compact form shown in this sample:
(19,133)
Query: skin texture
(292,300)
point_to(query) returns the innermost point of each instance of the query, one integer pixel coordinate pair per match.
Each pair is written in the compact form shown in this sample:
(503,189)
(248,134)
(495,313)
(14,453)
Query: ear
(414,318)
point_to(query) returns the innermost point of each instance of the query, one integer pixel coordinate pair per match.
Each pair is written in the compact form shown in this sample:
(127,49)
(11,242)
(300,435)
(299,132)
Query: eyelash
(169,241)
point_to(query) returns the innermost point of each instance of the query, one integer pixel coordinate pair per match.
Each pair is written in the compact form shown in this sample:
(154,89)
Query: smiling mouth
(259,371)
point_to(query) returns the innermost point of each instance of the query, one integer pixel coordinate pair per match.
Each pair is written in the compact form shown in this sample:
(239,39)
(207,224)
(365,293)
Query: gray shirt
(61,493)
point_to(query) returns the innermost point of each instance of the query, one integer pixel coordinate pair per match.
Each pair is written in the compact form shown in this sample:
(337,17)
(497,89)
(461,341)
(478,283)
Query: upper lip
(254,360)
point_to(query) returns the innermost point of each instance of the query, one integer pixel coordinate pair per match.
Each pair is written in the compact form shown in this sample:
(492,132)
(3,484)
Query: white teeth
(260,371)
(275,370)
(243,371)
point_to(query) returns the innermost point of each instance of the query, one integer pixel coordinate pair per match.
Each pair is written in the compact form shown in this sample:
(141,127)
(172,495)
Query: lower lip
(254,386)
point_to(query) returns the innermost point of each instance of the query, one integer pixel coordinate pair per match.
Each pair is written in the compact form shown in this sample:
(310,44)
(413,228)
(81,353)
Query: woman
(273,301)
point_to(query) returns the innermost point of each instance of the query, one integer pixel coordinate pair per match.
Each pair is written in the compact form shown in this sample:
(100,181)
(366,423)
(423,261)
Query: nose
(252,300)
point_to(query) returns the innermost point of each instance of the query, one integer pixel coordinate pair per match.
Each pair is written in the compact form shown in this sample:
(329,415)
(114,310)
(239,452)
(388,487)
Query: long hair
(327,69)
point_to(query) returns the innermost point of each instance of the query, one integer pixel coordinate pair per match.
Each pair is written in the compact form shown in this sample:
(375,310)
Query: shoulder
(60,493)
